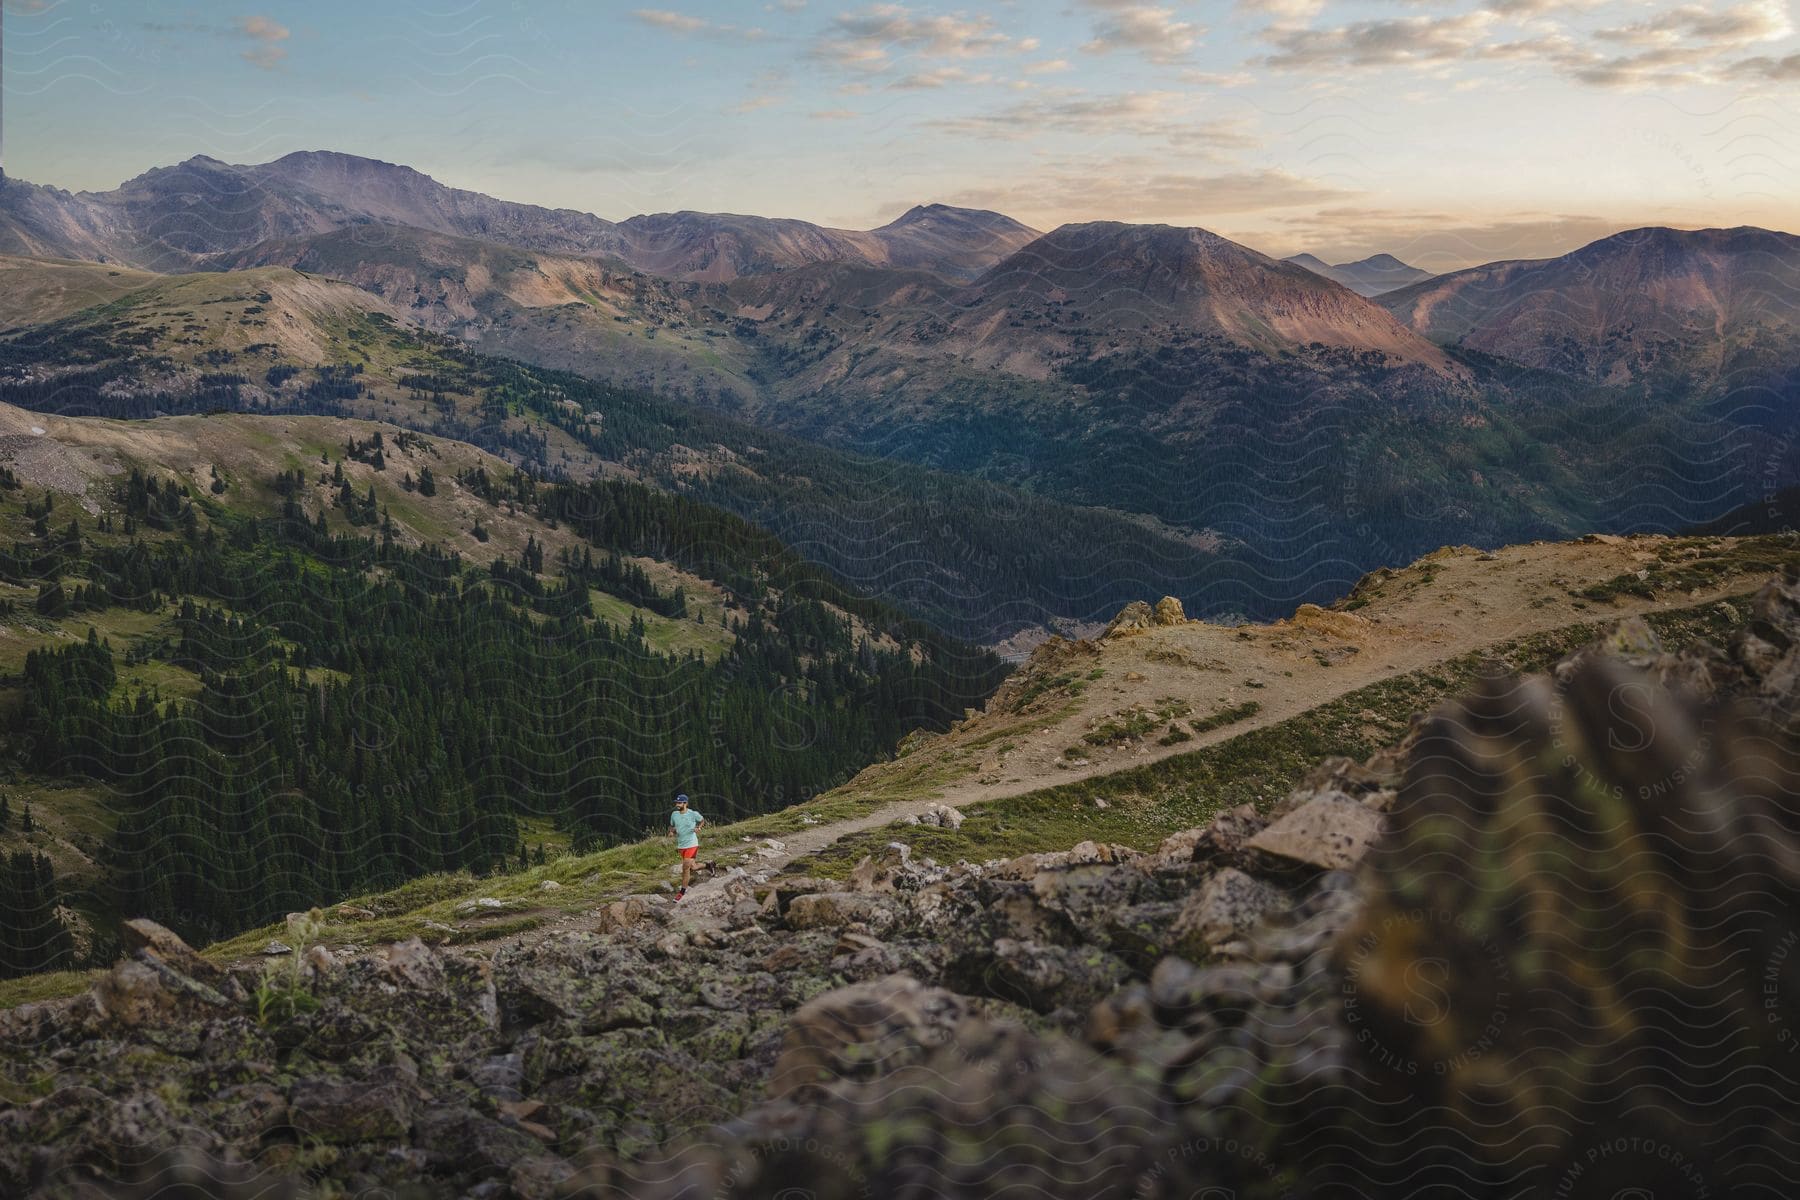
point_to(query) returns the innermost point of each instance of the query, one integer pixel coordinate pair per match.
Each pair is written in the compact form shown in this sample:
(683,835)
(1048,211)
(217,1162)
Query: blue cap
(681,799)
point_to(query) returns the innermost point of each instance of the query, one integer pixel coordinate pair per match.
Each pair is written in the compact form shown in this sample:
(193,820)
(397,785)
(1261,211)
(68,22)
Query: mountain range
(169,218)
(1366,277)
(1644,304)
(1230,403)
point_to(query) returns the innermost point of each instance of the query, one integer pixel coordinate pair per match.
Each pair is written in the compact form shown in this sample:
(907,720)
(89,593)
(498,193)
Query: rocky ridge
(1474,961)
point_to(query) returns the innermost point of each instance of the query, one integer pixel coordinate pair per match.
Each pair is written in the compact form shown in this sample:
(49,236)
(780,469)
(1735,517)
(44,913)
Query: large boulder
(146,992)
(834,910)
(1045,978)
(1225,909)
(1134,616)
(942,816)
(1328,833)
(141,936)
(1169,612)
(863,1031)
(334,1110)
(627,913)
(458,1138)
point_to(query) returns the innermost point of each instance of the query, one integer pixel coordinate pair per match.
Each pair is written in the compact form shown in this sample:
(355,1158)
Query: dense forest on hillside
(1313,463)
(368,712)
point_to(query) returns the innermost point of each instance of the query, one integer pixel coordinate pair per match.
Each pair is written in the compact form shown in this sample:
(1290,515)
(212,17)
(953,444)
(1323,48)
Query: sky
(1446,132)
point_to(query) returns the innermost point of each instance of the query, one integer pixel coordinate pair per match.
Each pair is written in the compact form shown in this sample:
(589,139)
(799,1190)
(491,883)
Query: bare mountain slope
(1119,277)
(1700,305)
(168,218)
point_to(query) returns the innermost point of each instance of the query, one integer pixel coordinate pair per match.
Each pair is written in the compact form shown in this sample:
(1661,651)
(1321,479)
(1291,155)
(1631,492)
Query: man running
(684,827)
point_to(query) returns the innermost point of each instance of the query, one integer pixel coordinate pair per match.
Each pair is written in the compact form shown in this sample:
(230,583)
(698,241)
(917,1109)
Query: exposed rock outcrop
(1134,616)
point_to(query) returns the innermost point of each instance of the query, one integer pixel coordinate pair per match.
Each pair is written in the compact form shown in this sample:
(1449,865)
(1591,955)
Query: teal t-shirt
(684,824)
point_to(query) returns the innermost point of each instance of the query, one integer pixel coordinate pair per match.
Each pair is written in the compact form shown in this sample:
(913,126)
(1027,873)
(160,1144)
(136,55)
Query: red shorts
(690,852)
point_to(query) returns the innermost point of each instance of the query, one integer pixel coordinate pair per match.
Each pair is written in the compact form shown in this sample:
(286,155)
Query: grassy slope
(1143,805)
(35,290)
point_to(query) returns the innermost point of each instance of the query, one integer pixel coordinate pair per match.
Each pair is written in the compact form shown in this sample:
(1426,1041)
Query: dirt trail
(706,902)
(1452,602)
(1448,604)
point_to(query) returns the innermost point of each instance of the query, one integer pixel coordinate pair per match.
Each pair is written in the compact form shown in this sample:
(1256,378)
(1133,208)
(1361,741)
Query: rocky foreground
(1548,946)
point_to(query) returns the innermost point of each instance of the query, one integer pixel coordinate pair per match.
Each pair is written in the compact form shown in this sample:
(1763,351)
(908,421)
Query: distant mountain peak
(1701,307)
(1371,276)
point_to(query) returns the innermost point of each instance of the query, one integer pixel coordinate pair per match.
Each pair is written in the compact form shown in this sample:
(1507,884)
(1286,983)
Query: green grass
(1229,715)
(1687,564)
(1130,725)
(1145,804)
(666,635)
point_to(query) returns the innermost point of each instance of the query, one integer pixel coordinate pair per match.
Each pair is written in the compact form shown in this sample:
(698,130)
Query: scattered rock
(1225,908)
(140,936)
(275,949)
(146,992)
(834,910)
(413,964)
(942,816)
(625,913)
(1134,616)
(337,1111)
(456,1137)
(1331,832)
(863,1031)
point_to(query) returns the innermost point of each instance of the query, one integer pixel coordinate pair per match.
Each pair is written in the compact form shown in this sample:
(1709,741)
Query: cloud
(869,39)
(1120,114)
(1051,66)
(1138,188)
(664,19)
(757,103)
(1146,29)
(688,25)
(939,77)
(1400,41)
(767,90)
(1776,70)
(1432,240)
(1282,12)
(1677,46)
(1692,25)
(267,51)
